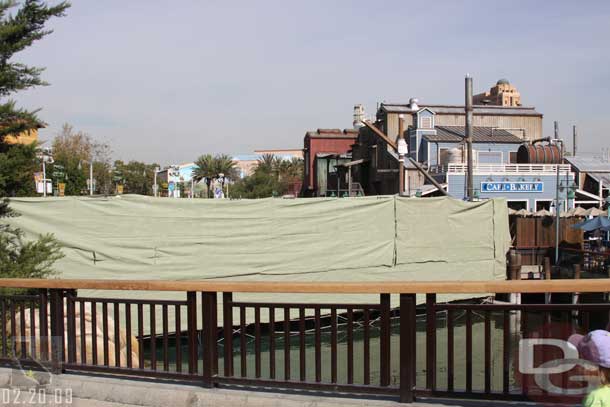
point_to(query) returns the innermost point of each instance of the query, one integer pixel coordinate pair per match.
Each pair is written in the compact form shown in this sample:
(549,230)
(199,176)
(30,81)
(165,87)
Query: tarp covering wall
(382,238)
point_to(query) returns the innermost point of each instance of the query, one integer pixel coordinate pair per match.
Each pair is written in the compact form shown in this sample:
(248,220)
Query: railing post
(208,304)
(191,318)
(430,342)
(57,330)
(71,328)
(384,341)
(407,347)
(227,321)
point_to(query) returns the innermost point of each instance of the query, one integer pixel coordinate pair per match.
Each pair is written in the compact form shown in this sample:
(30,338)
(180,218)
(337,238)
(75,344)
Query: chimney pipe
(574,137)
(468,131)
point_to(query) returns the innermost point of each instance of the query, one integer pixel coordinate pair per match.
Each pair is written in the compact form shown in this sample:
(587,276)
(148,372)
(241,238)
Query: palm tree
(205,170)
(265,164)
(209,167)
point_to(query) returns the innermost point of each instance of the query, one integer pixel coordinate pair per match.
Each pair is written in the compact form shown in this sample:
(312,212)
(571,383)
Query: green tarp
(383,238)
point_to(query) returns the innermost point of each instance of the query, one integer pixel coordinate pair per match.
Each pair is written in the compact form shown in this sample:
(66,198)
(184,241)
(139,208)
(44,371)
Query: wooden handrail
(405,287)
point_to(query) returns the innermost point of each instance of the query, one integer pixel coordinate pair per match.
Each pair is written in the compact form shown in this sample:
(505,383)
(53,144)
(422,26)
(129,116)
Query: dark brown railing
(356,347)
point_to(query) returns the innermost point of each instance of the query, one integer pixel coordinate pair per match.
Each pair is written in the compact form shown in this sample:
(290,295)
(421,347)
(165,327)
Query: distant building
(503,94)
(524,122)
(286,154)
(25,137)
(324,149)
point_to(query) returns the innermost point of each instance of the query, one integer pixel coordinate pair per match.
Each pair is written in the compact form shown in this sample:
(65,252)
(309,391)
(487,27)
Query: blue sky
(167,82)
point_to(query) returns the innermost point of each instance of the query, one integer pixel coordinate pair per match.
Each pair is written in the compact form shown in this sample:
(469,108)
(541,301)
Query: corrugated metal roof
(456,134)
(459,109)
(589,164)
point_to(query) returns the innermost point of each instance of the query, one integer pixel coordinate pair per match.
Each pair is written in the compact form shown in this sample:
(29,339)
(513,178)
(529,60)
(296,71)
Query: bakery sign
(519,186)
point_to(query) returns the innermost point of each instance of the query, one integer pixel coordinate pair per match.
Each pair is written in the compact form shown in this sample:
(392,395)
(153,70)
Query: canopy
(598,223)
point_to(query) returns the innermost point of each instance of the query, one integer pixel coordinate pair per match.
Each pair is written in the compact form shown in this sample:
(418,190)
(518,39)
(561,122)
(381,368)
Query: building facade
(319,148)
(503,94)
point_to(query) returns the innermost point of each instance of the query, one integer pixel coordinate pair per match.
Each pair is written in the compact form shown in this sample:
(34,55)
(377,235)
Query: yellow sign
(119,189)
(61,188)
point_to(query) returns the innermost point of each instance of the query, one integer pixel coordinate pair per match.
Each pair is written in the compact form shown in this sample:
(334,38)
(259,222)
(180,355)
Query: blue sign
(519,186)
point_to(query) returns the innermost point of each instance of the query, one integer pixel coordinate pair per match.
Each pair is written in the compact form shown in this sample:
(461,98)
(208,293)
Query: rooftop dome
(503,81)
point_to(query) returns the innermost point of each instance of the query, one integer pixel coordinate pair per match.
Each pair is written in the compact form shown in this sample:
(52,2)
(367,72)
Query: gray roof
(332,133)
(456,134)
(589,164)
(459,109)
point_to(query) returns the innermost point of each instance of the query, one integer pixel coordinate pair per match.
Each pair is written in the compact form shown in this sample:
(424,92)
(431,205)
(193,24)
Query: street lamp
(45,155)
(90,161)
(155,185)
(403,149)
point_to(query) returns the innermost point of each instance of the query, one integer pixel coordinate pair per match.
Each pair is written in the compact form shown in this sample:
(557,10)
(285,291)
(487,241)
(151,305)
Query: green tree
(137,177)
(18,31)
(272,176)
(209,167)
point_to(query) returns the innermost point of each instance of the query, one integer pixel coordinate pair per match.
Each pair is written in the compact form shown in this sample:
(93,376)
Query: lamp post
(155,185)
(46,157)
(80,166)
(403,149)
(557,140)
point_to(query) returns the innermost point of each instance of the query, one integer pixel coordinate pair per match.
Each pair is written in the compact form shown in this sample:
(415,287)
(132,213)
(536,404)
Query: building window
(512,157)
(546,204)
(426,122)
(517,205)
(489,157)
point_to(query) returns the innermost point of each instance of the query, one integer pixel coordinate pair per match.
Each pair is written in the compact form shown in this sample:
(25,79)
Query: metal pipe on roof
(468,131)
(574,136)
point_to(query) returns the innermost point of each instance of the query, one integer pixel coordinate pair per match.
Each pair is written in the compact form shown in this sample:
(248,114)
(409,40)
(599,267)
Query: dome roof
(503,81)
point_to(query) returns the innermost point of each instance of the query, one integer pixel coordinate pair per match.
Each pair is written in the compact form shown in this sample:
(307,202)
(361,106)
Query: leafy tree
(138,177)
(74,151)
(272,176)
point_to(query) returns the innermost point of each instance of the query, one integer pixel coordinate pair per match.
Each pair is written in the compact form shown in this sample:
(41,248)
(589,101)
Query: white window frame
(492,151)
(550,201)
(527,202)
(421,122)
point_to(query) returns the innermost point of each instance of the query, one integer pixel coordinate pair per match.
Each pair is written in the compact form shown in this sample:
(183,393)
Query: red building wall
(335,143)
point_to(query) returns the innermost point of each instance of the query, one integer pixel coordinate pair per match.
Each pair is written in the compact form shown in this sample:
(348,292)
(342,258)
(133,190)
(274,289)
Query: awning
(352,163)
(603,177)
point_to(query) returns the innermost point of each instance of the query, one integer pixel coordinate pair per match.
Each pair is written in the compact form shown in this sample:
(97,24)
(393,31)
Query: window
(546,204)
(512,157)
(489,157)
(426,122)
(517,205)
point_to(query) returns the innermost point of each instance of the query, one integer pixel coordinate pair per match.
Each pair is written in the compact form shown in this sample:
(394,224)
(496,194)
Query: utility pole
(557,203)
(91,177)
(401,156)
(468,133)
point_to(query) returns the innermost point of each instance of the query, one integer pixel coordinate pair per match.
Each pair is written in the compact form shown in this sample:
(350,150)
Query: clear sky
(167,81)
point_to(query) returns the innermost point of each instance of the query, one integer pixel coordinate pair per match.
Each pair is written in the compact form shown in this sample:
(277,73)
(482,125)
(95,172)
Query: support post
(57,331)
(468,134)
(227,320)
(384,341)
(574,140)
(430,342)
(191,317)
(208,304)
(407,347)
(401,157)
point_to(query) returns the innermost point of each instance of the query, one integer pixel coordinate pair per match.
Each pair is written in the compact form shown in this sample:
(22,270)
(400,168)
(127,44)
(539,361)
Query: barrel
(538,154)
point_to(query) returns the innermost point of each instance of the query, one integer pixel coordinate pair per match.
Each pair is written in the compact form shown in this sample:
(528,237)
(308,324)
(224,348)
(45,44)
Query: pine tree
(19,30)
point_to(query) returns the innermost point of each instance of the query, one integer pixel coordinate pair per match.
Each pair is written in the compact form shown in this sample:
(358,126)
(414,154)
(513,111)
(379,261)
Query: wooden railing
(265,344)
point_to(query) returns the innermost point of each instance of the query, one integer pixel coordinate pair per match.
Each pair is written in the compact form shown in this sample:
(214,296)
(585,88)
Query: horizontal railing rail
(330,287)
(461,349)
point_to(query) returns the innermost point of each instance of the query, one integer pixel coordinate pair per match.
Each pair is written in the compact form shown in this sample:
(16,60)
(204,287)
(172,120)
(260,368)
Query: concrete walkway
(96,391)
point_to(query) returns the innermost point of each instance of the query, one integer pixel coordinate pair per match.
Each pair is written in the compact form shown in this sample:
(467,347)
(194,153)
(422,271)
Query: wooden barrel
(538,154)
